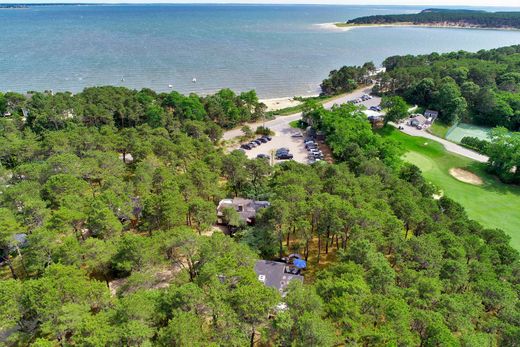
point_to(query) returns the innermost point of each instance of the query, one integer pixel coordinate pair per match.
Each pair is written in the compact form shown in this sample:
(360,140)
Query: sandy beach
(279,103)
(341,27)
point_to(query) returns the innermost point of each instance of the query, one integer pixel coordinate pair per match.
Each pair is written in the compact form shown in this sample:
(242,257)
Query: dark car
(268,138)
(284,156)
(258,143)
(246,146)
(283,149)
(262,156)
(262,139)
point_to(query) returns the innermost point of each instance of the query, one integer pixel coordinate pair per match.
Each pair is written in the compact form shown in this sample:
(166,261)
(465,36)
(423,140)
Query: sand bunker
(466,176)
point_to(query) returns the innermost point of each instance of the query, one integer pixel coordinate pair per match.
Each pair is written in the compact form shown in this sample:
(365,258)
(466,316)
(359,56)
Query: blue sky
(494,3)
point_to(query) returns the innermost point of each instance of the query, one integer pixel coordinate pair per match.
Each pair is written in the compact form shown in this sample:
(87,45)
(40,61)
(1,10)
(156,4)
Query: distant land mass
(13,6)
(444,18)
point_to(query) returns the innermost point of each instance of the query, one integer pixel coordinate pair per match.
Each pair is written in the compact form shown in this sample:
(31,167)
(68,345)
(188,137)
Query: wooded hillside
(119,187)
(447,17)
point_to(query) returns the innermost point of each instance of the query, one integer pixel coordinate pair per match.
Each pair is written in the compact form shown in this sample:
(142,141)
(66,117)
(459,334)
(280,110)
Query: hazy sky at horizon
(475,3)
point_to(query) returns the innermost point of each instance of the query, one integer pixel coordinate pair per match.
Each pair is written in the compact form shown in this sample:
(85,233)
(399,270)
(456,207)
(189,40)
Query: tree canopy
(115,192)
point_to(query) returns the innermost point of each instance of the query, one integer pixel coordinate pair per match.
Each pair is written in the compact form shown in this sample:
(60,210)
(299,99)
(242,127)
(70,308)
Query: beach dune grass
(494,204)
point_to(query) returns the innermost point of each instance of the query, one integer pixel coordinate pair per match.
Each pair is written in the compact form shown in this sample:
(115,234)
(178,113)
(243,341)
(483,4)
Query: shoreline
(343,27)
(348,27)
(274,104)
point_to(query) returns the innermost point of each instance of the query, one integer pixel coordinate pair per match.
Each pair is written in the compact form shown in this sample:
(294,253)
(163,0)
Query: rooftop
(246,208)
(275,274)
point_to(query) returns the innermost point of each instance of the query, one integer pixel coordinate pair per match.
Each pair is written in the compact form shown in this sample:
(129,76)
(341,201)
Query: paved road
(281,123)
(284,132)
(450,146)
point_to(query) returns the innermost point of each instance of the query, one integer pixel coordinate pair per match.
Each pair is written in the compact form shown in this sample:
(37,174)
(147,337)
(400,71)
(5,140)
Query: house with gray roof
(246,208)
(431,114)
(276,274)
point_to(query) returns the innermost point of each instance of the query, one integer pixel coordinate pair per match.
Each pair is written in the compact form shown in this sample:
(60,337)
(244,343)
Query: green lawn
(439,129)
(493,204)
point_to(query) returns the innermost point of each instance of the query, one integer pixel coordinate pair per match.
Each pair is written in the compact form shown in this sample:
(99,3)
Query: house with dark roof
(246,208)
(432,115)
(418,121)
(277,274)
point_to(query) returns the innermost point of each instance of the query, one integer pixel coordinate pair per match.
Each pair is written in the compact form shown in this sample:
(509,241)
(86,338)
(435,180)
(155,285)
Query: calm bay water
(277,50)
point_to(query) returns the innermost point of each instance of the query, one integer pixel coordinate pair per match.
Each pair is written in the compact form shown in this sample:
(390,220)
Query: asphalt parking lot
(282,138)
(283,132)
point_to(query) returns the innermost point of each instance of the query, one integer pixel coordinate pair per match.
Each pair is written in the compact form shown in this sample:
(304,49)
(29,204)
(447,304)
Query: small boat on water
(170,86)
(123,79)
(194,80)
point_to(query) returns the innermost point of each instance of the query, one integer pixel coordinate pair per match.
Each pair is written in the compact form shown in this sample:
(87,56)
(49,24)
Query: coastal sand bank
(339,27)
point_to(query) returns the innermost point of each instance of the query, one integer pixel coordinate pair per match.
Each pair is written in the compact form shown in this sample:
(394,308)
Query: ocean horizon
(278,50)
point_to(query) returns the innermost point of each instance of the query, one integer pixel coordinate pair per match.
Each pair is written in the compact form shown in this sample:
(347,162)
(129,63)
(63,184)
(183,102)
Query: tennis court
(462,130)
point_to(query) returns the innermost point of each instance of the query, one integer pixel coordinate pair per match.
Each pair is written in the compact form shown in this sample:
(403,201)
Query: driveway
(284,132)
(450,146)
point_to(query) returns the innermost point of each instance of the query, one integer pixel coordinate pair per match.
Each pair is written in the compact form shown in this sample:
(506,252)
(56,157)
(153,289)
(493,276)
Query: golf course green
(494,204)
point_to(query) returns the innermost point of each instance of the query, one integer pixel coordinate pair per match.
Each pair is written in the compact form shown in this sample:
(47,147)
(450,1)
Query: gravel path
(450,146)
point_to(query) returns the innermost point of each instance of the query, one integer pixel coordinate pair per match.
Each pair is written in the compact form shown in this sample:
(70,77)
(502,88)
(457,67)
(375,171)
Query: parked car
(252,144)
(284,156)
(262,156)
(258,143)
(373,108)
(268,138)
(297,135)
(282,149)
(262,139)
(246,146)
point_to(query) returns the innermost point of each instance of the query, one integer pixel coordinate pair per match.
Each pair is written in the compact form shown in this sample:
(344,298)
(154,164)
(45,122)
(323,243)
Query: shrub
(475,144)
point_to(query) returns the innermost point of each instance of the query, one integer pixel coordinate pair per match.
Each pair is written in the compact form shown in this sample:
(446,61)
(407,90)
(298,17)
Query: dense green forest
(451,17)
(347,78)
(481,88)
(119,187)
